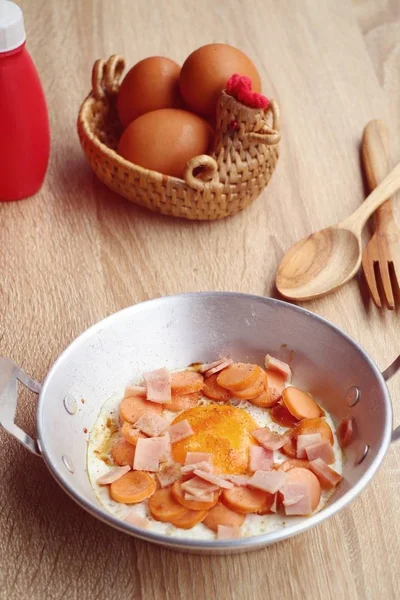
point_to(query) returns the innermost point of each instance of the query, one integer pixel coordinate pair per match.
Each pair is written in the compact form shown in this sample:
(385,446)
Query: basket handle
(106,76)
(207,176)
(269,135)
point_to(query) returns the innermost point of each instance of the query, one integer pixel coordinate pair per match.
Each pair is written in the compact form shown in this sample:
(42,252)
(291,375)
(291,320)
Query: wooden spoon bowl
(319,263)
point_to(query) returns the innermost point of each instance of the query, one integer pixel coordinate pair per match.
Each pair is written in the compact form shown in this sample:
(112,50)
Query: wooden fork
(381,256)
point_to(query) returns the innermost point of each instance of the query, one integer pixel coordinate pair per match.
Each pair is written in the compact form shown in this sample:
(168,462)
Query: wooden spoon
(323,261)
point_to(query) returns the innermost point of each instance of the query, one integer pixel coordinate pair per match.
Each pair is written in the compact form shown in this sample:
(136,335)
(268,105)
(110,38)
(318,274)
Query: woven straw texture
(213,187)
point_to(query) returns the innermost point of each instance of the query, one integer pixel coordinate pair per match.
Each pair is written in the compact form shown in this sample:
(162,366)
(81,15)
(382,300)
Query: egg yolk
(224,431)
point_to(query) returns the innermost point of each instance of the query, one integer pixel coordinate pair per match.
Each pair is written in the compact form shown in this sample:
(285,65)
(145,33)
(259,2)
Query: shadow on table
(84,191)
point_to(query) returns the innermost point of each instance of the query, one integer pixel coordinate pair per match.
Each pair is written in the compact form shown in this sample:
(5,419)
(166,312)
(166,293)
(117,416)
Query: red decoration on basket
(239,86)
(233,126)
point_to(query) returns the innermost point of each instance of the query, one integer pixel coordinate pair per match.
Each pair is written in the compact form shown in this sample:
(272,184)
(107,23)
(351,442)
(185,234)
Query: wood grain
(76,252)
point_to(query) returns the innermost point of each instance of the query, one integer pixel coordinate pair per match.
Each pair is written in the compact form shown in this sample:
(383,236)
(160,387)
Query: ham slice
(327,476)
(135,390)
(218,368)
(238,480)
(169,474)
(274,505)
(158,385)
(292,501)
(203,466)
(207,366)
(180,431)
(150,452)
(195,457)
(134,519)
(345,432)
(268,481)
(151,424)
(228,533)
(297,499)
(271,440)
(198,487)
(261,459)
(306,440)
(166,446)
(278,365)
(113,474)
(322,450)
(206,497)
(219,481)
(131,429)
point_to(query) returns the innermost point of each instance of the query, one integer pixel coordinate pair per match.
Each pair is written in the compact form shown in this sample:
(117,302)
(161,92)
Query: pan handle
(387,374)
(10,374)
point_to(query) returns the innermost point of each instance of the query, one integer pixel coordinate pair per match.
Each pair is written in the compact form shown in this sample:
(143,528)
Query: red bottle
(24,122)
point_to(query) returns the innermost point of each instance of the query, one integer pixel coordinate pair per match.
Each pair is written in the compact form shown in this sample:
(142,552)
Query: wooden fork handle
(375,158)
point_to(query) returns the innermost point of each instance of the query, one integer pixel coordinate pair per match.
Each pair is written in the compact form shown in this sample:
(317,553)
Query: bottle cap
(12,31)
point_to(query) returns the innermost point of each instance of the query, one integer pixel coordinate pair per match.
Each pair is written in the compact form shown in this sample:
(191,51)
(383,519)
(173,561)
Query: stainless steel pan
(175,331)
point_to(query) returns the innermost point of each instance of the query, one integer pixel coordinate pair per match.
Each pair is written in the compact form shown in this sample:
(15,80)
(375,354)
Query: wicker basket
(240,166)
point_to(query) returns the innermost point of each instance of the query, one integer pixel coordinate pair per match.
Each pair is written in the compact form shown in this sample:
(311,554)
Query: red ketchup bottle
(24,122)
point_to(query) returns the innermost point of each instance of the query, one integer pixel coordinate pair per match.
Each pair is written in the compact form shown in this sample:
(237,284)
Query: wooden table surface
(76,253)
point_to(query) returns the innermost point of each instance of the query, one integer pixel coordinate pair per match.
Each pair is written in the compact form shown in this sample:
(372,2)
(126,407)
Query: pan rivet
(362,455)
(68,463)
(353,395)
(70,404)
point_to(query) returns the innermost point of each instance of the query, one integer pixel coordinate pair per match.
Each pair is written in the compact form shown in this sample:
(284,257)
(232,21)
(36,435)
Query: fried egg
(221,429)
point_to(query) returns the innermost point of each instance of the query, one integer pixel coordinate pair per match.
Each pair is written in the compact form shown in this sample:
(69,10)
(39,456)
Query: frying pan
(175,331)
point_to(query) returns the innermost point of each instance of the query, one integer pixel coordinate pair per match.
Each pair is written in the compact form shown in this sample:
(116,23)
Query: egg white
(105,431)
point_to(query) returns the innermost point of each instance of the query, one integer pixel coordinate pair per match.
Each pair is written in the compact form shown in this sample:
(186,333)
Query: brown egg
(151,84)
(164,140)
(206,71)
